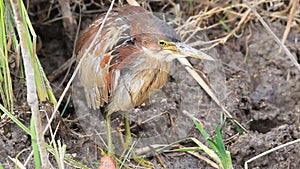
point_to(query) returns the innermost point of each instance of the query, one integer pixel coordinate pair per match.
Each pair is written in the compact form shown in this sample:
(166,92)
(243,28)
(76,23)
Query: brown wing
(94,74)
(97,71)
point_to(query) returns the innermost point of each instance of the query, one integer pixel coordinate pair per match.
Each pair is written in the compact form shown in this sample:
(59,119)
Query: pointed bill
(186,50)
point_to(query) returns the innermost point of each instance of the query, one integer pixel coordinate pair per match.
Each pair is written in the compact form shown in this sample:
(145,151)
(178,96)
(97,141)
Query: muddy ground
(254,78)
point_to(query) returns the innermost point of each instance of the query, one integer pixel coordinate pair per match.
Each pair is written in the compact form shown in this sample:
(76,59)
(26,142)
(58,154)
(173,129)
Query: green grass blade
(222,118)
(208,151)
(184,149)
(206,136)
(228,161)
(217,152)
(5,78)
(202,131)
(66,106)
(68,159)
(221,147)
(238,127)
(36,154)
(40,85)
(220,143)
(14,119)
(226,27)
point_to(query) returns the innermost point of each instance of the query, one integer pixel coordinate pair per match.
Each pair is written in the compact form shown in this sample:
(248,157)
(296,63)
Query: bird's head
(168,50)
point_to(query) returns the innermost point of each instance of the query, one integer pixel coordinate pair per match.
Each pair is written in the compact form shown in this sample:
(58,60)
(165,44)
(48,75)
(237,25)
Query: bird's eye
(162,43)
(130,41)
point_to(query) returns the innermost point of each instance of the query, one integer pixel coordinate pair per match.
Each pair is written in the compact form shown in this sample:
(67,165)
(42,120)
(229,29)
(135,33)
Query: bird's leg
(110,148)
(128,138)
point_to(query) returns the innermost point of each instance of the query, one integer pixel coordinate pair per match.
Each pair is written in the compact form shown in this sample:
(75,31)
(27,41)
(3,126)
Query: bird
(129,60)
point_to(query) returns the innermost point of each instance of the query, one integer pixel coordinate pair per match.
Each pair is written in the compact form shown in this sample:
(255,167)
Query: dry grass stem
(291,17)
(32,98)
(270,151)
(200,157)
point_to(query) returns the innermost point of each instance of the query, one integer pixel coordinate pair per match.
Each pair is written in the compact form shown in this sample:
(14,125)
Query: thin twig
(270,151)
(200,157)
(66,14)
(295,3)
(133,3)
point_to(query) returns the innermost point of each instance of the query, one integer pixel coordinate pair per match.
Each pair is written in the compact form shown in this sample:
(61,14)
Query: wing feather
(94,73)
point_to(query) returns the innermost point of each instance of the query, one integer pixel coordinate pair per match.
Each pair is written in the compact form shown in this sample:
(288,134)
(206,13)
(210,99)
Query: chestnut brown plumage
(130,59)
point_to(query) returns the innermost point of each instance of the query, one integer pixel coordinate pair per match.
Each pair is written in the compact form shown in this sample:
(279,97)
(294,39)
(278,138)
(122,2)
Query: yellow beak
(187,51)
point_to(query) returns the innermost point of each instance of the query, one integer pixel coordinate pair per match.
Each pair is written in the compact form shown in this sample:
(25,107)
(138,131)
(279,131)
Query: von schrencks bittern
(129,60)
